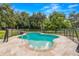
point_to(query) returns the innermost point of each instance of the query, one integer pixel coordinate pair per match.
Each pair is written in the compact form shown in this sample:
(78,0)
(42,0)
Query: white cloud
(72,6)
(50,8)
(55,7)
(59,7)
(45,7)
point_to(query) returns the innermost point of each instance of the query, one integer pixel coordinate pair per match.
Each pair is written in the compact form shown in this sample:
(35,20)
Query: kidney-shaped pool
(39,40)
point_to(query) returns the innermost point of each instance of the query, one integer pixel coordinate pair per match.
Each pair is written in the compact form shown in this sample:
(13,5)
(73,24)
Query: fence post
(64,32)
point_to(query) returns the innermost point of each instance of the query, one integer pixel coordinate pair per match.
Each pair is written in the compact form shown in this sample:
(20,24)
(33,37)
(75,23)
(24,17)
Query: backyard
(63,46)
(38,33)
(19,44)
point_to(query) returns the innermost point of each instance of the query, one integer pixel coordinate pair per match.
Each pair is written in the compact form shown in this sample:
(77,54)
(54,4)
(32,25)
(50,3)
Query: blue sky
(46,8)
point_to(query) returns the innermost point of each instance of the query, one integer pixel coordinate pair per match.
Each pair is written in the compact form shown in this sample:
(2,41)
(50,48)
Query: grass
(11,33)
(2,32)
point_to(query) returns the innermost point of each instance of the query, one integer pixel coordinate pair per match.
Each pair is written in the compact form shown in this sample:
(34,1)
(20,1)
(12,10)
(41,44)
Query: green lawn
(2,32)
(13,33)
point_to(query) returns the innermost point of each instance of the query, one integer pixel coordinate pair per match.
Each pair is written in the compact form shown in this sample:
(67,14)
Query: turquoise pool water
(39,40)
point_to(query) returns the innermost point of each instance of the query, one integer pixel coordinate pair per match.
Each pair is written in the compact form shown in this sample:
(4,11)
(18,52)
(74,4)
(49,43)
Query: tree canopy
(56,20)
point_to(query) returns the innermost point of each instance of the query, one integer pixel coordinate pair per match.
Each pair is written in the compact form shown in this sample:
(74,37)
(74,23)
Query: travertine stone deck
(17,47)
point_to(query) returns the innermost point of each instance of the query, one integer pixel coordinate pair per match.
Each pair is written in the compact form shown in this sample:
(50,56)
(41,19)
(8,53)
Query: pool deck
(17,47)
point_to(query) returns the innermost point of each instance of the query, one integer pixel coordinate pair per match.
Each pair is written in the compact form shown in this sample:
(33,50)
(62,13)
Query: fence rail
(70,33)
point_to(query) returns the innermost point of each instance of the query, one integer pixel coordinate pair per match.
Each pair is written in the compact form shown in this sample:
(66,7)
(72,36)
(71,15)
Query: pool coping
(42,49)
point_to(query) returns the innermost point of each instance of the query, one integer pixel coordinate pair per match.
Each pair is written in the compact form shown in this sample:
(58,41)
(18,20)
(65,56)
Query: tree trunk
(6,36)
(77,49)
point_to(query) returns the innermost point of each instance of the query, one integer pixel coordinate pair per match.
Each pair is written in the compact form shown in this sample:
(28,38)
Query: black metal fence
(70,33)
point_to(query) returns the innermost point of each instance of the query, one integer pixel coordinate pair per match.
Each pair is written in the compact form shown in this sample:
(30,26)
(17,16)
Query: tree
(47,24)
(36,20)
(57,20)
(7,15)
(12,19)
(2,21)
(23,19)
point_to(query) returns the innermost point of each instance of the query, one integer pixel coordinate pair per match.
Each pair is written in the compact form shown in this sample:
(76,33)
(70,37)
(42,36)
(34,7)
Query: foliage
(10,18)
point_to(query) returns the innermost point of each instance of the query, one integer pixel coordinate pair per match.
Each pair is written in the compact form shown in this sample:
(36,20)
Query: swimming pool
(39,40)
